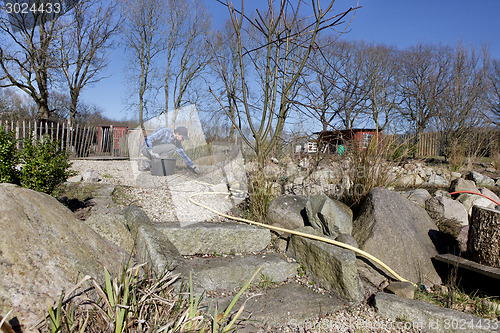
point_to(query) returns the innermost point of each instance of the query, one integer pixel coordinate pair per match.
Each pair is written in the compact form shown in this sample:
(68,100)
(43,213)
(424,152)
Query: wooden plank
(469,265)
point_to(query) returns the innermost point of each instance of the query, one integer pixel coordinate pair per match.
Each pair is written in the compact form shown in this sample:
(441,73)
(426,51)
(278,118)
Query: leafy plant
(265,281)
(45,165)
(8,157)
(301,270)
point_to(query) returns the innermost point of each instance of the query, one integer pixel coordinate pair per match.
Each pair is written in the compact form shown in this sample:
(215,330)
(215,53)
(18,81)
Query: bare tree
(320,85)
(281,43)
(494,92)
(190,29)
(84,46)
(422,79)
(176,15)
(226,70)
(459,107)
(143,39)
(27,54)
(381,74)
(353,91)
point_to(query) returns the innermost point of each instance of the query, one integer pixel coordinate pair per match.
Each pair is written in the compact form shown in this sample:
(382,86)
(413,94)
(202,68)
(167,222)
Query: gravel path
(164,199)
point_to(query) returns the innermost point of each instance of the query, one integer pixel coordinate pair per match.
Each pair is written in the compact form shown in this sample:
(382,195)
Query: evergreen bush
(8,157)
(45,165)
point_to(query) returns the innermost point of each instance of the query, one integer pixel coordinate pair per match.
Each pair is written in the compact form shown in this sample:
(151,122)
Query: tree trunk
(483,244)
(72,108)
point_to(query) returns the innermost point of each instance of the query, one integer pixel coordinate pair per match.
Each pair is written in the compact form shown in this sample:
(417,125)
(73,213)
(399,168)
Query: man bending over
(164,142)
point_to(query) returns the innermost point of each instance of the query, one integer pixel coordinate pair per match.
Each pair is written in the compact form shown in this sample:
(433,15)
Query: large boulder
(111,224)
(288,212)
(420,316)
(480,179)
(489,194)
(397,232)
(470,200)
(212,237)
(331,267)
(461,184)
(442,207)
(44,249)
(331,217)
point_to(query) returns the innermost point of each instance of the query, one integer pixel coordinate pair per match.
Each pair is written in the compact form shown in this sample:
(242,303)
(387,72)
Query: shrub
(8,157)
(45,165)
(373,166)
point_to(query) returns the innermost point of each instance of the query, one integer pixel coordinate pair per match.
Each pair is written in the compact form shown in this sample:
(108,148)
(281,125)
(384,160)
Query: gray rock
(402,289)
(497,183)
(74,179)
(409,180)
(428,317)
(329,216)
(90,176)
(461,184)
(134,218)
(347,239)
(489,194)
(288,212)
(470,200)
(442,207)
(153,247)
(111,224)
(232,272)
(150,244)
(437,180)
(396,231)
(455,175)
(219,238)
(287,305)
(419,196)
(45,249)
(442,193)
(462,238)
(479,179)
(331,267)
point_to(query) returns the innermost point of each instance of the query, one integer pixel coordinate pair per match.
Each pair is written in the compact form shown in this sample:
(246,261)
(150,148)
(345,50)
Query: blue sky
(400,23)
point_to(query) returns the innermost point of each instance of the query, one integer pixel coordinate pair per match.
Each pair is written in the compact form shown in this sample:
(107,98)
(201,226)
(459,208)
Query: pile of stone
(45,249)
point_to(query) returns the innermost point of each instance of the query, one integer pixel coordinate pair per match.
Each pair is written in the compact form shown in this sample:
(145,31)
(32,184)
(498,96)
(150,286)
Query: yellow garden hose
(319,238)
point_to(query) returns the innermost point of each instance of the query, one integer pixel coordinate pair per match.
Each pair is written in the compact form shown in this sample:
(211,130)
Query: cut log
(483,245)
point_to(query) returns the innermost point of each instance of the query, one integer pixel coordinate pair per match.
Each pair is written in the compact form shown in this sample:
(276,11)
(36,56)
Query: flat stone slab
(289,304)
(216,237)
(429,317)
(232,272)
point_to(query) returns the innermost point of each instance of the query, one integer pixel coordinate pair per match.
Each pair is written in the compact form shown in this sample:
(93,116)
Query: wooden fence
(428,144)
(484,142)
(81,141)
